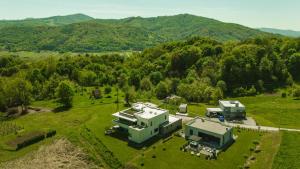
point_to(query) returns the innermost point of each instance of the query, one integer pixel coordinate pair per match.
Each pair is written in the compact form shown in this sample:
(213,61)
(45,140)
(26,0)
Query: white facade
(142,121)
(232,109)
(183,108)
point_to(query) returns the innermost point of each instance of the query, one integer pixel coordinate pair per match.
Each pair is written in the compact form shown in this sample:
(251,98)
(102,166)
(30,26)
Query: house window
(151,123)
(191,132)
(155,130)
(165,117)
(142,124)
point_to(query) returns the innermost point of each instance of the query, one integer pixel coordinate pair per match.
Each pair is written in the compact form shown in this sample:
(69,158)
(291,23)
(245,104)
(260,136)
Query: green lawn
(172,157)
(272,110)
(267,110)
(96,116)
(289,152)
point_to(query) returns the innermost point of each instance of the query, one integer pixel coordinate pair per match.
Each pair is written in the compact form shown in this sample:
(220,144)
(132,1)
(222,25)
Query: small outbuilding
(183,108)
(211,133)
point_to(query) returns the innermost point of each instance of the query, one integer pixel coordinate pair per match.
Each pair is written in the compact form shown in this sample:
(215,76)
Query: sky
(282,14)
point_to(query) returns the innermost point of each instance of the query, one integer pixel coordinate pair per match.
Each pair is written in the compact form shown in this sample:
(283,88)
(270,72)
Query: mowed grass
(96,116)
(272,110)
(267,110)
(269,146)
(289,152)
(168,154)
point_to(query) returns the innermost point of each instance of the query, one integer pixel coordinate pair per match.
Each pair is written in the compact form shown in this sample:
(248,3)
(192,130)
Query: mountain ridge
(285,32)
(133,33)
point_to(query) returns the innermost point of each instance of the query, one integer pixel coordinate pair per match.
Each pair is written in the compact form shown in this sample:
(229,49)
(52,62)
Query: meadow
(85,123)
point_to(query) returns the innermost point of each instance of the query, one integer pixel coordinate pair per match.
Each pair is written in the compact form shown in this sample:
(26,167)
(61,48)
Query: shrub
(296,92)
(107,90)
(255,142)
(283,95)
(50,133)
(26,140)
(153,156)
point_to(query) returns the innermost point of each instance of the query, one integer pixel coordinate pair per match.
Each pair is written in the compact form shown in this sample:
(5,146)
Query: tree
(146,84)
(156,77)
(161,90)
(19,93)
(134,79)
(87,78)
(129,95)
(107,90)
(65,93)
(222,85)
(294,65)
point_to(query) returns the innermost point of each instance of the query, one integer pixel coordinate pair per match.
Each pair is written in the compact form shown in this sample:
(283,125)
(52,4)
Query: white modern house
(229,109)
(144,120)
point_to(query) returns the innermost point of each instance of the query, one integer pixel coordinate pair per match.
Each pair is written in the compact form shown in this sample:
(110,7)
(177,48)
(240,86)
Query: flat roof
(143,110)
(149,112)
(183,105)
(231,103)
(214,109)
(124,116)
(210,126)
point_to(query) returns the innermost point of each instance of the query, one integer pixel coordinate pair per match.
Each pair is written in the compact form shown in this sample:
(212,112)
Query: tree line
(199,70)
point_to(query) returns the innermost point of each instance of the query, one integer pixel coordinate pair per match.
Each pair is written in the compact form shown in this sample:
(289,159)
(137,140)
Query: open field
(95,116)
(267,110)
(172,157)
(59,154)
(289,152)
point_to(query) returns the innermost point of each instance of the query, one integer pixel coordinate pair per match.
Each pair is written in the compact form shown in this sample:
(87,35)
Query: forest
(80,33)
(198,69)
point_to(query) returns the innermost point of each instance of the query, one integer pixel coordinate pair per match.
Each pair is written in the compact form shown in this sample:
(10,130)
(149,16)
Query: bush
(296,92)
(153,156)
(283,95)
(50,133)
(26,140)
(107,90)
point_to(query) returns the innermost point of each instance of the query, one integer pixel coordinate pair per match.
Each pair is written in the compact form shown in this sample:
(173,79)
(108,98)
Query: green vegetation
(289,33)
(51,21)
(288,154)
(273,110)
(113,35)
(168,154)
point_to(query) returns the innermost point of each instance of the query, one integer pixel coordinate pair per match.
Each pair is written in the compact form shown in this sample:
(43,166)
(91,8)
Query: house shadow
(123,136)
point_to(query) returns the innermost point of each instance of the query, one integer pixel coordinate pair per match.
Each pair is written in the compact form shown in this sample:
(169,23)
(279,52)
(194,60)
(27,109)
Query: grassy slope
(97,116)
(289,152)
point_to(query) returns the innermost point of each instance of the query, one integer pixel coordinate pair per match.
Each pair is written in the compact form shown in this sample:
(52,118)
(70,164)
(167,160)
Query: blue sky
(282,14)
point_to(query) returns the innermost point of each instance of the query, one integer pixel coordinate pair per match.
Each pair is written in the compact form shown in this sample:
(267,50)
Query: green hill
(50,21)
(289,33)
(133,33)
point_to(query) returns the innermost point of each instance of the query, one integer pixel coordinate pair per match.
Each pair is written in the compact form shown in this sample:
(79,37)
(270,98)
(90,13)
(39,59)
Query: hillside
(134,33)
(50,21)
(290,33)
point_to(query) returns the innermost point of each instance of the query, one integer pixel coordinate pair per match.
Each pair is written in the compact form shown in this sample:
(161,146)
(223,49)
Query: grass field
(289,152)
(172,157)
(96,116)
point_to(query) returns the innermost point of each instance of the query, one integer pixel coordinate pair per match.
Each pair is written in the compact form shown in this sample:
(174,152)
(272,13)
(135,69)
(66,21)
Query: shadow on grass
(123,136)
(61,109)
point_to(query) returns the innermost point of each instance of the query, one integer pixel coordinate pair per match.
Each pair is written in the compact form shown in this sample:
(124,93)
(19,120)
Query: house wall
(167,129)
(224,139)
(151,128)
(233,112)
